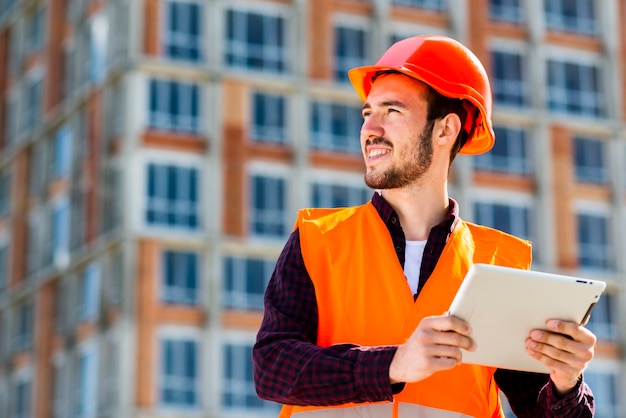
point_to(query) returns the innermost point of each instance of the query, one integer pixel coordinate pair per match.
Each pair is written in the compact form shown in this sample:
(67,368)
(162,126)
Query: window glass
(256,41)
(509,84)
(268,206)
(4,269)
(5,192)
(24,323)
(98,39)
(245,280)
(575,88)
(512,219)
(87,387)
(238,385)
(506,11)
(179,383)
(605,386)
(172,196)
(590,161)
(269,118)
(22,398)
(336,127)
(422,4)
(594,250)
(174,106)
(61,232)
(183,34)
(509,153)
(332,195)
(62,163)
(576,16)
(350,51)
(180,277)
(90,295)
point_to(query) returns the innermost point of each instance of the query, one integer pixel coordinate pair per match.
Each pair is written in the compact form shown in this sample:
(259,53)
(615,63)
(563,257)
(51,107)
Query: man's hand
(434,345)
(566,349)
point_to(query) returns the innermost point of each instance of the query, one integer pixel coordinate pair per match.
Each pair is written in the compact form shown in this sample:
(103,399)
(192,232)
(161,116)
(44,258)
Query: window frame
(191,43)
(280,32)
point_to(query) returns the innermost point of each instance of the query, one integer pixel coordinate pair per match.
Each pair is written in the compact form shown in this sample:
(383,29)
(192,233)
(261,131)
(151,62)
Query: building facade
(153,154)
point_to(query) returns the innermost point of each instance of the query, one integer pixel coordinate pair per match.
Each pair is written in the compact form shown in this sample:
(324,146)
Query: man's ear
(449,128)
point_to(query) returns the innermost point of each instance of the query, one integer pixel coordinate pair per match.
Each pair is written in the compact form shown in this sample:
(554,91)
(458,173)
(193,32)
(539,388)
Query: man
(355,320)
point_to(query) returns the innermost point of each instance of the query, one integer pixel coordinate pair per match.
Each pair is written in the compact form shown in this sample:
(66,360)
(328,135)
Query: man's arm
(533,395)
(290,368)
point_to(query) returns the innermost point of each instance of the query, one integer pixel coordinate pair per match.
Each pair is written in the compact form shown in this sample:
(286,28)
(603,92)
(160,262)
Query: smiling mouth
(377,153)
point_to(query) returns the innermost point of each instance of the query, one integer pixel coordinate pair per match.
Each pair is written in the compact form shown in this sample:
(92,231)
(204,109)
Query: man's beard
(410,168)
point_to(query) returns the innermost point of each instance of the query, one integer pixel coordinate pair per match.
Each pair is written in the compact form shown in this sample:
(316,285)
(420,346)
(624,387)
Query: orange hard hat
(448,67)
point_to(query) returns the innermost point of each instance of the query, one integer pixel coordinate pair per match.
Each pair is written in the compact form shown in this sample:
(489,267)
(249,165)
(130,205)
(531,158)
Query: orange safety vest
(363,298)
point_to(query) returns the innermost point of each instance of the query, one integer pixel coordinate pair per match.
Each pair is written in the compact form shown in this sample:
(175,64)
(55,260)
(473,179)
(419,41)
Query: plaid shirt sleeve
(290,368)
(533,395)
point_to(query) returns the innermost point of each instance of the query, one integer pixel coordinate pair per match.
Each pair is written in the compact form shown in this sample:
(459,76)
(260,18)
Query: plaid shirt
(290,368)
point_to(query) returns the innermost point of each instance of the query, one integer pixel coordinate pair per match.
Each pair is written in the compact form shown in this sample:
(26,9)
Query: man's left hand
(566,348)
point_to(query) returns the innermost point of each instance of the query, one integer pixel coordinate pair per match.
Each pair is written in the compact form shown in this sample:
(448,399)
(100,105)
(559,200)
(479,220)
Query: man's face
(396,143)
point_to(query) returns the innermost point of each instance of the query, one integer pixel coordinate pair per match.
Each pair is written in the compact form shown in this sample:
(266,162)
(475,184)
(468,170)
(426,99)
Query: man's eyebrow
(387,103)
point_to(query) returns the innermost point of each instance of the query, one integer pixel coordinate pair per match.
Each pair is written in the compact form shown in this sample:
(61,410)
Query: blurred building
(153,155)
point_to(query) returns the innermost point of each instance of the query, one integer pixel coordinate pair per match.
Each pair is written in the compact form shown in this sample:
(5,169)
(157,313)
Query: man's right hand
(434,345)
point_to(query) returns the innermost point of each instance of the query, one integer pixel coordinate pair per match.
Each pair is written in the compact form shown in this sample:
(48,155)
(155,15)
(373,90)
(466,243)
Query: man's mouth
(375,153)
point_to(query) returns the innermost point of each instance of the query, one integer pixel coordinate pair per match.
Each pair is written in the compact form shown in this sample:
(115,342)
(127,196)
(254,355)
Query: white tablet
(503,305)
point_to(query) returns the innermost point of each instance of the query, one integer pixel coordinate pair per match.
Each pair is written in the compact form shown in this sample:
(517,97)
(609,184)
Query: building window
(575,89)
(60,391)
(174,106)
(35,24)
(590,161)
(33,104)
(605,385)
(245,280)
(509,81)
(180,277)
(183,34)
(4,268)
(506,11)
(109,378)
(436,5)
(98,39)
(256,41)
(509,153)
(511,219)
(333,195)
(5,192)
(86,389)
(350,51)
(576,16)
(172,196)
(24,324)
(62,163)
(602,322)
(22,398)
(594,249)
(61,232)
(268,206)
(269,118)
(336,127)
(179,383)
(239,392)
(90,289)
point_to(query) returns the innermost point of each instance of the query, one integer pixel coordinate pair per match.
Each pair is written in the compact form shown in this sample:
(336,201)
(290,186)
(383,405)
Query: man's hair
(438,107)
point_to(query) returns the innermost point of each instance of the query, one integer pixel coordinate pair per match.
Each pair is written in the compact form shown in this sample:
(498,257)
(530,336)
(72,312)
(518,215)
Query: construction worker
(355,320)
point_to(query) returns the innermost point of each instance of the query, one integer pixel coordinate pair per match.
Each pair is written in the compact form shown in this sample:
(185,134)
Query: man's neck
(419,209)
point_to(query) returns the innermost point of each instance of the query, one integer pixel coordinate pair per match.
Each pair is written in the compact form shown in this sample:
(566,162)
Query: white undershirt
(412,262)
